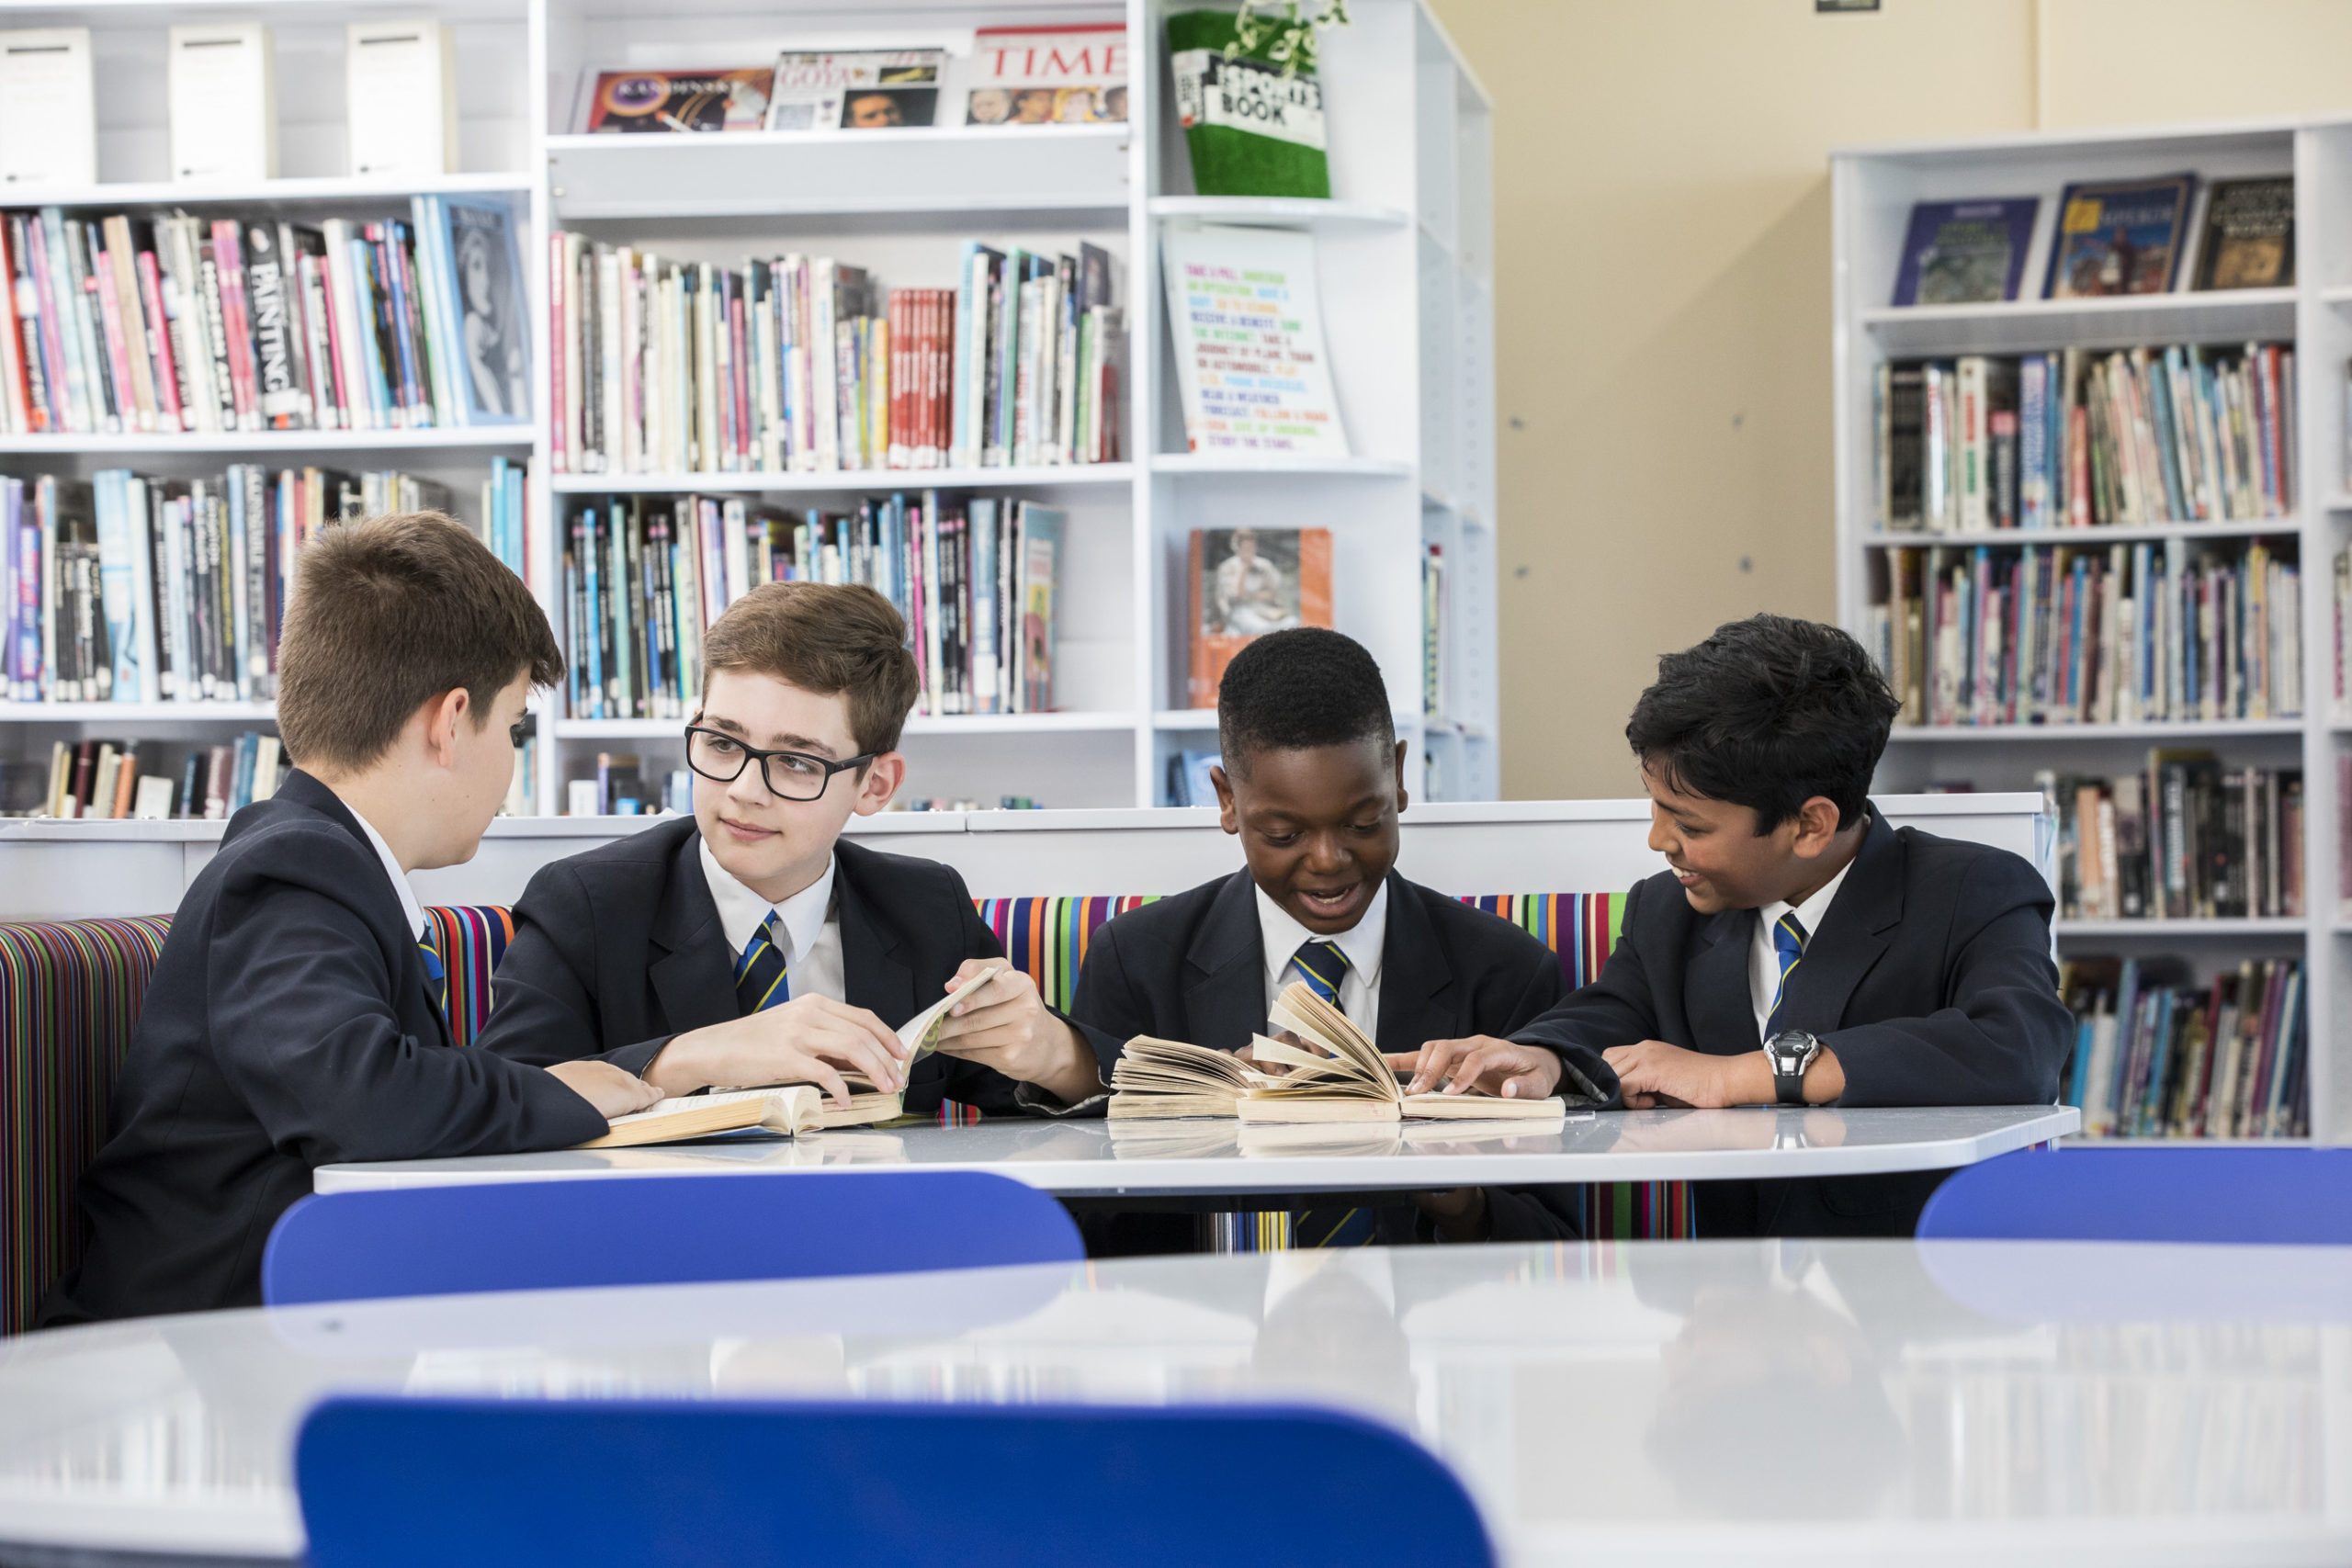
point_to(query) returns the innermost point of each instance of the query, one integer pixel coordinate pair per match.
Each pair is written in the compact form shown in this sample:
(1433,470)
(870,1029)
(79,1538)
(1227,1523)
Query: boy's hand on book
(612,1091)
(809,1039)
(1480,1064)
(1005,1024)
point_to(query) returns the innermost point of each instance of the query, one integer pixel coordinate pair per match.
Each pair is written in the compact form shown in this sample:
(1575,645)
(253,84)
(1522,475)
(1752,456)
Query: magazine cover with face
(2120,237)
(493,348)
(651,102)
(875,89)
(1246,583)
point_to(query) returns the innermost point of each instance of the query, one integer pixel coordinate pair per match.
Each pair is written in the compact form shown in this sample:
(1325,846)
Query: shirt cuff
(1037,1102)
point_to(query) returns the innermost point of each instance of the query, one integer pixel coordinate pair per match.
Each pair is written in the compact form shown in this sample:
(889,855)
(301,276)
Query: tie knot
(1324,966)
(1789,933)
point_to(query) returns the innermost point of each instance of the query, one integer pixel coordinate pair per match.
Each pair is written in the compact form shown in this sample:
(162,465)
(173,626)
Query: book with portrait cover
(2120,237)
(1072,75)
(623,102)
(1246,582)
(873,89)
(2249,239)
(1965,252)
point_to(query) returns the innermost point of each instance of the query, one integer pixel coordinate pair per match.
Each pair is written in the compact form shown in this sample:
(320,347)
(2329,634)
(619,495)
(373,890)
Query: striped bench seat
(70,992)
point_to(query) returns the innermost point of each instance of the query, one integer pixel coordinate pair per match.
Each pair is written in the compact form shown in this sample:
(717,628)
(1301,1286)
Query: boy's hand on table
(1482,1064)
(1651,1074)
(612,1091)
(1005,1024)
(809,1039)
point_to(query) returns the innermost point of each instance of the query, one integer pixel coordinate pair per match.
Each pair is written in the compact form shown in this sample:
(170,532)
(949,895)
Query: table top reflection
(1211,1156)
(1717,1401)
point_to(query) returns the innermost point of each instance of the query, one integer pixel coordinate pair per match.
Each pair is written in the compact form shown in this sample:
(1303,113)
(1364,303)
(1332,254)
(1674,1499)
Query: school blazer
(1192,967)
(288,1025)
(618,949)
(1930,977)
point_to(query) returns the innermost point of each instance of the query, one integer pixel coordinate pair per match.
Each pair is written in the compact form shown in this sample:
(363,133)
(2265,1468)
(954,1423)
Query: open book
(786,1108)
(1324,1071)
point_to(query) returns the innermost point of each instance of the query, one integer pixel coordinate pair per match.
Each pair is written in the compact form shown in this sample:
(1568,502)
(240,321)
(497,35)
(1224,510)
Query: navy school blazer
(1930,977)
(289,1024)
(619,948)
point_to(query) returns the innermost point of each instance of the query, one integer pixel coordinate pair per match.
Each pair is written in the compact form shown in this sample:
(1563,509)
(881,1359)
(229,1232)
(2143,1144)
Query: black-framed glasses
(789,775)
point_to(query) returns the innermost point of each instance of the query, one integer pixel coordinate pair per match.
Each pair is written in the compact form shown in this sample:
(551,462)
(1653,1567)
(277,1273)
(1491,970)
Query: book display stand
(1403,251)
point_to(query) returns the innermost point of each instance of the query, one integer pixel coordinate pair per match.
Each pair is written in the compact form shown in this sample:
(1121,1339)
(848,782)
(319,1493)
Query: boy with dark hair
(1312,780)
(751,943)
(294,1019)
(1798,950)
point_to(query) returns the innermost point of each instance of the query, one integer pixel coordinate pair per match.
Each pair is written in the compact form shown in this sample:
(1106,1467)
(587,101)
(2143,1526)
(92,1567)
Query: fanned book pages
(1326,1071)
(789,1108)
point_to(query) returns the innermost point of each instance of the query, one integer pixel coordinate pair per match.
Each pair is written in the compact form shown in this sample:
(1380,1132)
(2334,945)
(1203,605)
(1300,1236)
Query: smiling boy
(1798,948)
(750,943)
(1311,782)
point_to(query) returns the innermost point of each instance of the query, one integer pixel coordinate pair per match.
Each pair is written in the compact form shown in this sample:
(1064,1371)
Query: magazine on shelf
(1071,75)
(662,102)
(1961,253)
(2120,237)
(1251,358)
(873,89)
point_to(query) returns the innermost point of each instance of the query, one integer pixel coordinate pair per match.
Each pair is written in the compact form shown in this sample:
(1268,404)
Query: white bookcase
(1404,261)
(1872,191)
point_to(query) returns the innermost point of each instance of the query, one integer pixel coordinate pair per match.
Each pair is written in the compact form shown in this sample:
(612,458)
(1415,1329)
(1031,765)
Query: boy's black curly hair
(1292,690)
(1767,713)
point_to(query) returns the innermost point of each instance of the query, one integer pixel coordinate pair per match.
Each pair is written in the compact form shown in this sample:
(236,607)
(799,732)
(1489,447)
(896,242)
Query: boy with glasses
(751,943)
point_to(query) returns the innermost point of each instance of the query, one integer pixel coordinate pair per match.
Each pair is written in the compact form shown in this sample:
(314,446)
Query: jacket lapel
(1714,993)
(1850,940)
(874,974)
(1224,970)
(1416,983)
(693,977)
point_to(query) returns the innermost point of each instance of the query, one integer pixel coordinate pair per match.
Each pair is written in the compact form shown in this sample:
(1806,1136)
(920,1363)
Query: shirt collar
(741,912)
(410,908)
(1361,944)
(1810,912)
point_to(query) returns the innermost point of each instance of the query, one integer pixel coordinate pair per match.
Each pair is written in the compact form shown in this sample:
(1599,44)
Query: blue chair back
(2277,1197)
(389,1482)
(656,1230)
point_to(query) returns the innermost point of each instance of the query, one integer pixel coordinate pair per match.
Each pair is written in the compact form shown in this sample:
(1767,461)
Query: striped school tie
(760,979)
(1322,965)
(436,975)
(1788,947)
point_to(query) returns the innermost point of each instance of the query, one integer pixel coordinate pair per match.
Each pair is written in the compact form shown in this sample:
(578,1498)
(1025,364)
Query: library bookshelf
(1872,192)
(1404,271)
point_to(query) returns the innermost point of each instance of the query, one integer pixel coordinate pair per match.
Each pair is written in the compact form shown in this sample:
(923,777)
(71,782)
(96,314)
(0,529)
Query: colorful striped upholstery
(473,939)
(68,994)
(1046,938)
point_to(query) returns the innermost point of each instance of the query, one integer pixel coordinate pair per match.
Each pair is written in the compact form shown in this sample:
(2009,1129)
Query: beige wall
(1662,236)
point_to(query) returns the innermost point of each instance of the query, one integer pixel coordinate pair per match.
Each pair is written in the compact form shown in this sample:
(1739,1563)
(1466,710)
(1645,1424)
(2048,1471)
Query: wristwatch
(1791,1052)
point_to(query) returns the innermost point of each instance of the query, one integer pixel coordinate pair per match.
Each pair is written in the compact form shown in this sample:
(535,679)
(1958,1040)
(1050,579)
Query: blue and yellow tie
(760,979)
(1322,965)
(436,976)
(1788,946)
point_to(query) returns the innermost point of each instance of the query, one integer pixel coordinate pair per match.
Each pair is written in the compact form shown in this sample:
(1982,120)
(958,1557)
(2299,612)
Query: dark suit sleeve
(543,1008)
(2002,1034)
(1108,1005)
(974,1084)
(303,1027)
(1614,1009)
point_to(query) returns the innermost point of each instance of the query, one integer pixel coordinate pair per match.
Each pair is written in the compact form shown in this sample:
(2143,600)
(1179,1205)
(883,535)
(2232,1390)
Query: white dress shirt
(409,906)
(1764,961)
(812,934)
(1360,987)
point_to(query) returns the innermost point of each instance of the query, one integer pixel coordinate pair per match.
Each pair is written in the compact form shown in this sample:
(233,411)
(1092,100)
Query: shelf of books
(2093,519)
(670,301)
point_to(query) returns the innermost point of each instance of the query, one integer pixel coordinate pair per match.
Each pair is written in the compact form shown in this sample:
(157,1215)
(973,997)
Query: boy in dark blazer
(1798,948)
(751,943)
(294,1018)
(1311,782)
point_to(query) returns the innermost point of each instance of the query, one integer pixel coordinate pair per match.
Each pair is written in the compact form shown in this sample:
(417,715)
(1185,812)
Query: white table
(1202,1157)
(1960,1403)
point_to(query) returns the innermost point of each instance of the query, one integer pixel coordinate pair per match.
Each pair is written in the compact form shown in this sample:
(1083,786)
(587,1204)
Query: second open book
(1331,1074)
(783,1108)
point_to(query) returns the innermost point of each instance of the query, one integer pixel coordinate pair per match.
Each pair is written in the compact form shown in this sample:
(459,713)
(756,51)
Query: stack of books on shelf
(112,779)
(2159,1056)
(2076,439)
(976,579)
(2148,632)
(131,588)
(128,324)
(2189,839)
(806,365)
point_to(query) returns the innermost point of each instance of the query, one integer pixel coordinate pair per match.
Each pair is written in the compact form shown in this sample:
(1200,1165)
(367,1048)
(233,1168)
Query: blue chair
(2274,1197)
(389,1482)
(656,1230)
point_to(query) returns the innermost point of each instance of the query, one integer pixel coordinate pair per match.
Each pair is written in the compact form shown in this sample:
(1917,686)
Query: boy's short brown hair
(388,614)
(824,637)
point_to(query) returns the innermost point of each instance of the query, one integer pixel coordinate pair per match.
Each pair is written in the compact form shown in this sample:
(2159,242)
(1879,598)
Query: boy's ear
(1816,826)
(442,716)
(1403,798)
(1228,816)
(883,777)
